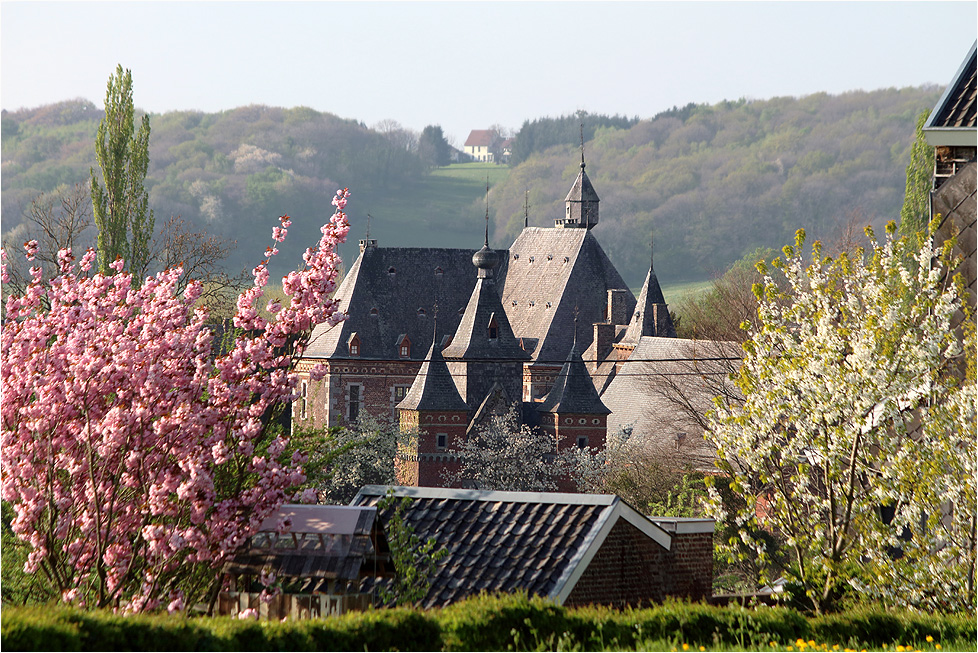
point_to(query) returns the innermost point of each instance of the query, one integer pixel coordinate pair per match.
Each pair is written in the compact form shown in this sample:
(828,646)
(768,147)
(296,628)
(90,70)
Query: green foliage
(542,133)
(121,208)
(487,623)
(19,587)
(915,213)
(415,561)
(433,148)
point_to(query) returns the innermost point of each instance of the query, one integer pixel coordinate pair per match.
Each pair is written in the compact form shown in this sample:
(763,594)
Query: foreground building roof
(541,543)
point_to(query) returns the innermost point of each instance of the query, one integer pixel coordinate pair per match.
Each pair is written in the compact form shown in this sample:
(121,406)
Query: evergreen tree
(125,225)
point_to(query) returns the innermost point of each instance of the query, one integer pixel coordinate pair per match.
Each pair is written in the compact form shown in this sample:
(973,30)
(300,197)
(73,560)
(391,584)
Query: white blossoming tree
(855,445)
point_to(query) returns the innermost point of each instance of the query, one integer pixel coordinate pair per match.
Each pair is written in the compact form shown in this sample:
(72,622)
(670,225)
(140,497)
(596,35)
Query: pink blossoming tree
(136,462)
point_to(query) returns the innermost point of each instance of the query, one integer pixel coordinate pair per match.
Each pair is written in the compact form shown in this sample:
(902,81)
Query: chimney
(618,307)
(604,338)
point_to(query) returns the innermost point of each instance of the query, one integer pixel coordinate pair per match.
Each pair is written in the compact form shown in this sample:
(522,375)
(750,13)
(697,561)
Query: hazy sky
(467,65)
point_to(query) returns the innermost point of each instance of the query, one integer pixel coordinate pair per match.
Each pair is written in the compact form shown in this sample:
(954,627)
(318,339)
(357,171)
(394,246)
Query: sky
(471,65)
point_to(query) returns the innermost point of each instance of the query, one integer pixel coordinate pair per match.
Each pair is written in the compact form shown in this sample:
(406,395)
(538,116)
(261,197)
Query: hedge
(484,623)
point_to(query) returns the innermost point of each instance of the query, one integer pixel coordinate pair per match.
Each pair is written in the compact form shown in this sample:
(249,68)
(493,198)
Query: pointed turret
(581,203)
(651,316)
(433,388)
(573,391)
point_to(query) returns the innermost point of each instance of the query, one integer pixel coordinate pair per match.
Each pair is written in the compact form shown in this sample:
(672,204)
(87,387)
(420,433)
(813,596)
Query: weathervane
(526,209)
(487,211)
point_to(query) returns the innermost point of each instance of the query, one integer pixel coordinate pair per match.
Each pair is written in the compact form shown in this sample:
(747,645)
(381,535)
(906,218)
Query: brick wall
(631,569)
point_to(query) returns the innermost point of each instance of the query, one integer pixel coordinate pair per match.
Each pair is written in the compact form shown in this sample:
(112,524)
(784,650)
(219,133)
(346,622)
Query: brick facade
(432,457)
(354,386)
(632,570)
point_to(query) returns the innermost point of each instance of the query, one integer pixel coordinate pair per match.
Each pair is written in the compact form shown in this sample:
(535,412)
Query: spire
(581,203)
(582,147)
(526,209)
(486,260)
(651,316)
(487,212)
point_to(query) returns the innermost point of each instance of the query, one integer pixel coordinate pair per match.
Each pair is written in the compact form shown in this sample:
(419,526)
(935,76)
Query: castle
(440,339)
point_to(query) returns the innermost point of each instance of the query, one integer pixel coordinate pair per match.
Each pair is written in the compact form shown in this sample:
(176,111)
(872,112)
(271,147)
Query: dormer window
(493,328)
(403,346)
(391,270)
(374,312)
(439,271)
(421,312)
(353,344)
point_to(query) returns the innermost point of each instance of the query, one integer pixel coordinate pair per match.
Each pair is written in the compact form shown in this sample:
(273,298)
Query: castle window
(421,312)
(391,270)
(353,344)
(353,403)
(439,271)
(493,328)
(303,400)
(374,312)
(582,442)
(441,440)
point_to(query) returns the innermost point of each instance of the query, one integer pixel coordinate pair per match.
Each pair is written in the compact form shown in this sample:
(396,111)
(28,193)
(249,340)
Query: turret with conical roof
(651,316)
(581,203)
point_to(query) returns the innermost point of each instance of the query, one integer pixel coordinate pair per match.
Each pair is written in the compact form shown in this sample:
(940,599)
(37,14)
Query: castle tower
(572,412)
(435,410)
(485,357)
(651,316)
(581,203)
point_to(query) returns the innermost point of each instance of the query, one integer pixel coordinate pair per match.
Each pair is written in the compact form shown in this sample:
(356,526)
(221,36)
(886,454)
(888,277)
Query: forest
(712,182)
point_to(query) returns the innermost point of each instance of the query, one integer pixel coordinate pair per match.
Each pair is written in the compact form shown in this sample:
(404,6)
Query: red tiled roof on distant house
(480,137)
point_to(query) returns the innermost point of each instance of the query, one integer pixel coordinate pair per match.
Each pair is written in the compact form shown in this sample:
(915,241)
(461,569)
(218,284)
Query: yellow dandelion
(800,643)
(685,647)
(937,646)
(702,648)
(929,639)
(811,643)
(900,649)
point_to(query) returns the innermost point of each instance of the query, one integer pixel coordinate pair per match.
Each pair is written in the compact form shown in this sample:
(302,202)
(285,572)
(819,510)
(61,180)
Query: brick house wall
(427,464)
(631,570)
(375,386)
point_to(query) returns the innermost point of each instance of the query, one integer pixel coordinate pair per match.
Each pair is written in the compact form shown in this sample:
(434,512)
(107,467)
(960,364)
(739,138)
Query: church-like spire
(581,203)
(651,316)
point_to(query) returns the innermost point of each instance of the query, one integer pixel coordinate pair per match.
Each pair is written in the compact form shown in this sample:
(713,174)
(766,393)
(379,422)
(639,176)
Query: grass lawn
(675,292)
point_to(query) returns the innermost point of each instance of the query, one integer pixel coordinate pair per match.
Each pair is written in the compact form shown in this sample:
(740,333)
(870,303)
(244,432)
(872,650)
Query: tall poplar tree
(125,225)
(915,213)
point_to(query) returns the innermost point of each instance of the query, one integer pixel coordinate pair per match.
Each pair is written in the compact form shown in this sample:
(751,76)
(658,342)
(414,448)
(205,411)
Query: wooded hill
(714,181)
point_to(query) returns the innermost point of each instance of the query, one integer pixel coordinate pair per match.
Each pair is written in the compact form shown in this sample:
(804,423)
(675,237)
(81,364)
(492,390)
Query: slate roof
(643,324)
(323,543)
(472,341)
(550,272)
(433,387)
(382,305)
(955,111)
(508,541)
(582,190)
(645,403)
(573,390)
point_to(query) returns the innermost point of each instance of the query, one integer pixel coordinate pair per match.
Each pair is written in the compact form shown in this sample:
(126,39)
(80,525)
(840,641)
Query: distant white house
(478,143)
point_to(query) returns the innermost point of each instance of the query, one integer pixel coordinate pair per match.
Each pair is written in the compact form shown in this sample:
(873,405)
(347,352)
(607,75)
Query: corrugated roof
(507,541)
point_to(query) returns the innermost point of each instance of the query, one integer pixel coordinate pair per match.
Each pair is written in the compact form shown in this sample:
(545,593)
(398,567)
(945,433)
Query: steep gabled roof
(382,294)
(952,122)
(550,273)
(573,391)
(540,543)
(433,388)
(483,137)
